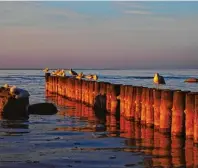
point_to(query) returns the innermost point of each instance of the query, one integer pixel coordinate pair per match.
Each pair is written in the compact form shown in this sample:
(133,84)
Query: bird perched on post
(46,70)
(80,76)
(158,79)
(73,73)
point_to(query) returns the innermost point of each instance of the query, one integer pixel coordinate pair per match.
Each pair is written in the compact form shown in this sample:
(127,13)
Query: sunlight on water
(78,137)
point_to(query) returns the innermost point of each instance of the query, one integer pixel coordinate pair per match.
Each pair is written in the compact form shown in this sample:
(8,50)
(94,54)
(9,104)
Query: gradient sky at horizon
(101,34)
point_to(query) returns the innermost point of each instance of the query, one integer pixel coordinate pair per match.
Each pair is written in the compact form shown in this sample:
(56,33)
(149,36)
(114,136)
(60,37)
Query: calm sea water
(76,137)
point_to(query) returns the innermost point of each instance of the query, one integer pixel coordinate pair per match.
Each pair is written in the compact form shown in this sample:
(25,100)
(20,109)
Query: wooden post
(138,103)
(91,93)
(157,103)
(149,108)
(196,120)
(47,78)
(122,99)
(165,111)
(108,96)
(115,105)
(189,111)
(178,122)
(129,113)
(143,106)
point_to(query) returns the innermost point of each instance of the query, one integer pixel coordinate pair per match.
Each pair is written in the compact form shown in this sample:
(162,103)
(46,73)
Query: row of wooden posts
(168,151)
(170,111)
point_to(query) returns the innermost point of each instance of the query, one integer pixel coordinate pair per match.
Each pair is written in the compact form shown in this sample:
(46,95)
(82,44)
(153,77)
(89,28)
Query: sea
(77,137)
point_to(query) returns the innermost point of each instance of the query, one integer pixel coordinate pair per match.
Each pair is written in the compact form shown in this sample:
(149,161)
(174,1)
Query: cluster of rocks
(14,104)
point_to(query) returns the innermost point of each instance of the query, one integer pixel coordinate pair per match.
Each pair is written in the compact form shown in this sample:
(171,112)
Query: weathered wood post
(67,87)
(143,106)
(56,84)
(165,111)
(178,122)
(59,84)
(47,80)
(76,85)
(53,84)
(122,99)
(115,103)
(83,91)
(138,103)
(96,88)
(129,113)
(125,100)
(196,120)
(91,93)
(86,98)
(189,111)
(156,105)
(108,96)
(149,108)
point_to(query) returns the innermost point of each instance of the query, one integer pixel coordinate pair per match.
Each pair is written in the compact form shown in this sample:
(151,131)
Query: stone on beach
(42,109)
(12,108)
(191,80)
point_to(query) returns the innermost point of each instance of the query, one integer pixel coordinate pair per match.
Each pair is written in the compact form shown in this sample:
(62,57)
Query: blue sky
(103,34)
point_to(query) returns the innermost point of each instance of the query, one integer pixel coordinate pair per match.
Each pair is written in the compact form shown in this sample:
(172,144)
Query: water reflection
(160,150)
(14,127)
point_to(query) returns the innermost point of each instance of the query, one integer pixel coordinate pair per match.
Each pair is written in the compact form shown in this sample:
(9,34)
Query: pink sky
(36,36)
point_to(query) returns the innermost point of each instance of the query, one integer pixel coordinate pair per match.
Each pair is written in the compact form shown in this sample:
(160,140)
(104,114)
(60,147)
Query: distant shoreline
(102,68)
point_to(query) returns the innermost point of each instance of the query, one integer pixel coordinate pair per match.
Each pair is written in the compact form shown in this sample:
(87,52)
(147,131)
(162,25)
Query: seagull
(95,77)
(46,70)
(88,76)
(158,79)
(80,76)
(6,86)
(73,73)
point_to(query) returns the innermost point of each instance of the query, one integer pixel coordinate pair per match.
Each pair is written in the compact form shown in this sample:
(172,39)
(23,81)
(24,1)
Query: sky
(99,34)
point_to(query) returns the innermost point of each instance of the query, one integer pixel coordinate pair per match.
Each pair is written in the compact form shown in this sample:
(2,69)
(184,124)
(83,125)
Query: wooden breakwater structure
(172,112)
(168,151)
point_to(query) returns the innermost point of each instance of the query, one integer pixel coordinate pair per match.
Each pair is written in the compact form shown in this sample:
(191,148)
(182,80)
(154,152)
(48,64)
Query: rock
(42,109)
(14,109)
(191,80)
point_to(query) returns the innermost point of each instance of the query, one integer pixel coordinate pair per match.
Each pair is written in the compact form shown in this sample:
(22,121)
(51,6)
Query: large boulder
(42,109)
(14,109)
(191,80)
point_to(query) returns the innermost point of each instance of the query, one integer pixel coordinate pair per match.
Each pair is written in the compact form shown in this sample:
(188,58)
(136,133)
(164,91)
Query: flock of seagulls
(62,72)
(157,79)
(16,92)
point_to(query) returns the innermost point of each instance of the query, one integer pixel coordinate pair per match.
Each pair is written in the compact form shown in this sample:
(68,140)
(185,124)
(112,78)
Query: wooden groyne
(168,151)
(172,112)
